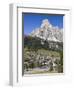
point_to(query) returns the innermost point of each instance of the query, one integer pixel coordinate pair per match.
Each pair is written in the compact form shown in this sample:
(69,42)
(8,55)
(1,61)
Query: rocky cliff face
(48,32)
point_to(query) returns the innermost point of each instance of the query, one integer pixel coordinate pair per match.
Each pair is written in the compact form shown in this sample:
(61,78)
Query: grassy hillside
(40,58)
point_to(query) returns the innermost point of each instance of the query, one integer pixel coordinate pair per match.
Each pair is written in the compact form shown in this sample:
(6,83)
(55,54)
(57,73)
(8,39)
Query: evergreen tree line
(35,43)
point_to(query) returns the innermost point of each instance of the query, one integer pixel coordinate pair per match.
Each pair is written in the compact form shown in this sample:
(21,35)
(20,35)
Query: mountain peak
(45,23)
(48,32)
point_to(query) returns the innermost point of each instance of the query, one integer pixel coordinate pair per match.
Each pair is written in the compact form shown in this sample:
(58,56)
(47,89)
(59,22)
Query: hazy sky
(33,20)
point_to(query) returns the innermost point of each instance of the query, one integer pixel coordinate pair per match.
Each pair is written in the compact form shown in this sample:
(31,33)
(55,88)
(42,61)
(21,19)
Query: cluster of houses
(41,61)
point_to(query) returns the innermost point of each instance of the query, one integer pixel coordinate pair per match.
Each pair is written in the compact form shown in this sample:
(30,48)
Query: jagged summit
(45,23)
(48,32)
